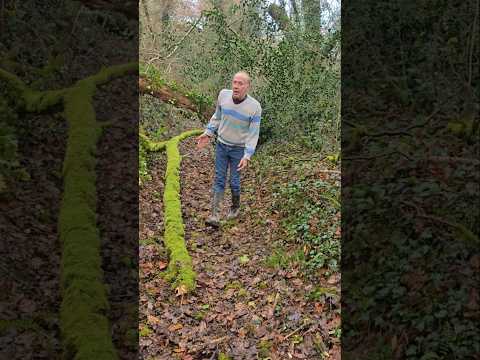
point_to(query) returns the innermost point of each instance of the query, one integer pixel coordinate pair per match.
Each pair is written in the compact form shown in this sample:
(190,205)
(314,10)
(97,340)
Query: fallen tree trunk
(168,95)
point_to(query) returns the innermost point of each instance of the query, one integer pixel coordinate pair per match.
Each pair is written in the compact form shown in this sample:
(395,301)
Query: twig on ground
(272,310)
(214,353)
(295,331)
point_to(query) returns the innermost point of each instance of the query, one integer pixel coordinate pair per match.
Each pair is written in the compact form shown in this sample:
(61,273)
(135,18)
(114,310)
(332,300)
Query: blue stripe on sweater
(211,128)
(236,114)
(232,125)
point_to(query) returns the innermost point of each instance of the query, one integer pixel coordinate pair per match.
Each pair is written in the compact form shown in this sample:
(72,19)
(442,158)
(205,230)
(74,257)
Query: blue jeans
(227,157)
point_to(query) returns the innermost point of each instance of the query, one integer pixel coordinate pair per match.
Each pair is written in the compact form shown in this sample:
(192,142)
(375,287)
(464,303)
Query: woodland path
(241,307)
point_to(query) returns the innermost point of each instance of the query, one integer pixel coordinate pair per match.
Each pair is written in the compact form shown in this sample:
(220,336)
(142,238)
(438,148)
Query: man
(236,121)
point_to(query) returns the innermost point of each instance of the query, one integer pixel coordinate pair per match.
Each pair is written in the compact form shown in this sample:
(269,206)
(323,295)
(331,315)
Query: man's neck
(238,101)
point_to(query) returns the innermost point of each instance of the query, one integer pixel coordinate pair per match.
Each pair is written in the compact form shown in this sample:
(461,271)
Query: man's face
(240,85)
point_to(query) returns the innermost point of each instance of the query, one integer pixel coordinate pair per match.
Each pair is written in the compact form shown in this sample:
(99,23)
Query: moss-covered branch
(84,326)
(152,145)
(33,100)
(107,74)
(180,270)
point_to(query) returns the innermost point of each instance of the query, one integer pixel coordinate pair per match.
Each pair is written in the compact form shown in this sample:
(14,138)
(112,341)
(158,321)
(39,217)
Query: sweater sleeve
(253,133)
(214,122)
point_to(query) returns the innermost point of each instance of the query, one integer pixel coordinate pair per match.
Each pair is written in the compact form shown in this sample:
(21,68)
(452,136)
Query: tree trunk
(311,14)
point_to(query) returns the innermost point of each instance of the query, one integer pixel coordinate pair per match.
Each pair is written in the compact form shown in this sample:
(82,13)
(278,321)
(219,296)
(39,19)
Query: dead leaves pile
(241,307)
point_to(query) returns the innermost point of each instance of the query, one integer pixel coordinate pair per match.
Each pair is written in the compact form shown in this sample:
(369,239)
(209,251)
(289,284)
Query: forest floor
(247,303)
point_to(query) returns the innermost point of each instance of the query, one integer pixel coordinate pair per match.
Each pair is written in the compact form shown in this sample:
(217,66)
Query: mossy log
(83,321)
(84,325)
(180,270)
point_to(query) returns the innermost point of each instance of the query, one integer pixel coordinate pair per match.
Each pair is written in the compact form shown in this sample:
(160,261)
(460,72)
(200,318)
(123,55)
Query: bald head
(240,85)
(244,75)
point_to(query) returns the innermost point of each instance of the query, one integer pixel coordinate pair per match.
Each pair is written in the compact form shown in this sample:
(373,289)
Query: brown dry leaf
(335,322)
(175,327)
(334,279)
(181,290)
(297,282)
(153,320)
(229,293)
(318,308)
(162,265)
(242,332)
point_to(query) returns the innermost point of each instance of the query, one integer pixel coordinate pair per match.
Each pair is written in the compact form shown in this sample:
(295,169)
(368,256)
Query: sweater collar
(236,102)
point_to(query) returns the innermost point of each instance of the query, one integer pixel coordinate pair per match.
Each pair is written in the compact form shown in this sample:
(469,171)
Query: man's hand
(202,141)
(243,164)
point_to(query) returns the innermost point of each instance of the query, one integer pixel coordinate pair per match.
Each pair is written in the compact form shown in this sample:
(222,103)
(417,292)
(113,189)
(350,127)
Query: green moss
(199,315)
(263,285)
(223,356)
(106,74)
(180,270)
(145,331)
(37,101)
(234,285)
(264,349)
(83,322)
(317,293)
(84,326)
(148,241)
(243,293)
(156,81)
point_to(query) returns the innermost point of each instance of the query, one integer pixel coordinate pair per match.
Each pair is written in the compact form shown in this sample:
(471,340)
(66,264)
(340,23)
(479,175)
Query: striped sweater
(236,124)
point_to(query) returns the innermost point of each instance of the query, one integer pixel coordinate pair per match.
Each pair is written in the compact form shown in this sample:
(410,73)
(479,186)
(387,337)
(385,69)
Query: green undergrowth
(304,187)
(280,259)
(310,210)
(143,173)
(84,325)
(180,270)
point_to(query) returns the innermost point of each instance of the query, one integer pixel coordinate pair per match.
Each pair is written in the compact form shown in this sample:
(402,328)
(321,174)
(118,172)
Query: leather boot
(235,210)
(214,219)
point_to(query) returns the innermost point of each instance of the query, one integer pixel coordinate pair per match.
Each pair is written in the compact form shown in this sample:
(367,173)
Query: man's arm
(252,139)
(253,133)
(211,127)
(214,122)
